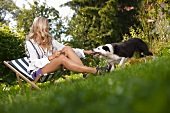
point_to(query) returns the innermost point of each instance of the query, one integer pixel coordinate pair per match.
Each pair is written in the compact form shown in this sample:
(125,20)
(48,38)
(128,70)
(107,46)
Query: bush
(11,47)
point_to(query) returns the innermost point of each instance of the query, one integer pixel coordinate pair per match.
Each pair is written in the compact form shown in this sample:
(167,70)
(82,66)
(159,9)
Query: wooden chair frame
(19,76)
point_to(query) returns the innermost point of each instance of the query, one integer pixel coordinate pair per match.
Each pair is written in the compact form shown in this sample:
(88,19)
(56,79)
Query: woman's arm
(80,52)
(89,52)
(55,54)
(57,45)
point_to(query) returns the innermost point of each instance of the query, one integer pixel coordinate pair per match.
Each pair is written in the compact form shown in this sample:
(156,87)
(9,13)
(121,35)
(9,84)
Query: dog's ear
(106,48)
(115,46)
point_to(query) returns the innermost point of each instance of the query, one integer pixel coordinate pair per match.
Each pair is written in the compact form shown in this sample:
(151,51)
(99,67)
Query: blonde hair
(39,32)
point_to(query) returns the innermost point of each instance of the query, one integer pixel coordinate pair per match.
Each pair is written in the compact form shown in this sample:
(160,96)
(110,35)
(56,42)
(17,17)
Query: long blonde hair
(39,32)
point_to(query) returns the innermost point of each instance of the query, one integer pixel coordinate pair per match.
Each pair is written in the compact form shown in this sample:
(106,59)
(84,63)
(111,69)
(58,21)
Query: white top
(40,58)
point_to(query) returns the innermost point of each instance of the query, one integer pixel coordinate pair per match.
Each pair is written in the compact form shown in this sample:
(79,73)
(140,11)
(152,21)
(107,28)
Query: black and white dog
(119,53)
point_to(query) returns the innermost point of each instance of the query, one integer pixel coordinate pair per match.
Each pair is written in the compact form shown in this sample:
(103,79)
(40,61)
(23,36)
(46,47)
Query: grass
(139,88)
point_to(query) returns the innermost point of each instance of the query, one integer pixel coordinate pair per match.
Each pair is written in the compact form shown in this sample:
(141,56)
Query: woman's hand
(54,55)
(65,50)
(89,52)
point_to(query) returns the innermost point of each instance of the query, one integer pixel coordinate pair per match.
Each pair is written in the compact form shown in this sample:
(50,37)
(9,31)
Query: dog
(120,53)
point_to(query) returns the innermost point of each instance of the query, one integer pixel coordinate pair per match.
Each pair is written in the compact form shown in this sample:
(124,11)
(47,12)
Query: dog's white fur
(112,58)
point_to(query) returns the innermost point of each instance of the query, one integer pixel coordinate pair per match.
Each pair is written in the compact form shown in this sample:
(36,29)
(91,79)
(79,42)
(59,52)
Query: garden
(142,86)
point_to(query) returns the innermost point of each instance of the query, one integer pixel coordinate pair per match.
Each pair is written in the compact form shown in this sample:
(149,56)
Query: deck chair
(19,66)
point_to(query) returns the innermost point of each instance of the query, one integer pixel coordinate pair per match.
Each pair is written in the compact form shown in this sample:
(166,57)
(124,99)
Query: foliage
(25,17)
(7,8)
(134,89)
(127,14)
(154,20)
(11,44)
(95,21)
(154,25)
(109,26)
(103,21)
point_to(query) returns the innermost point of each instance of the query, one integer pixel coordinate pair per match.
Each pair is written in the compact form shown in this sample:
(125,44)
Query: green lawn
(139,88)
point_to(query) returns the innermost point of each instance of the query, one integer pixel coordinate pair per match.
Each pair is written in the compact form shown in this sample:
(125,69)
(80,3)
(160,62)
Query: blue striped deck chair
(19,66)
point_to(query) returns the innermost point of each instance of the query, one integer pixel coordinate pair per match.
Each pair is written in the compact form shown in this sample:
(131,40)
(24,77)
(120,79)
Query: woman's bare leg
(72,55)
(68,64)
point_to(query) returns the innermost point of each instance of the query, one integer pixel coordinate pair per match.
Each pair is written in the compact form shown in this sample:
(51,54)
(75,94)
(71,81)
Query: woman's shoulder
(57,44)
(54,40)
(30,42)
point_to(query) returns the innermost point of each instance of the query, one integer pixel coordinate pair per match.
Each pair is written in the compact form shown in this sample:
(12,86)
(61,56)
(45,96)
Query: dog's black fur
(127,48)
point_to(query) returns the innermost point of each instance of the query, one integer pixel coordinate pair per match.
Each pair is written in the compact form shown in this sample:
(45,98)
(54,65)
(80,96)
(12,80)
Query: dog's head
(103,50)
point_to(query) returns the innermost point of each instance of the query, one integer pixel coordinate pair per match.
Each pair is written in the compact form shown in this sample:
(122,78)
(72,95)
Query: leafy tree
(154,24)
(7,7)
(94,22)
(110,28)
(127,14)
(25,17)
(104,21)
(154,19)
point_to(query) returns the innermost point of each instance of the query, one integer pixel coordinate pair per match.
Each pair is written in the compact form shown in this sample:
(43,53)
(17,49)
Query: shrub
(11,47)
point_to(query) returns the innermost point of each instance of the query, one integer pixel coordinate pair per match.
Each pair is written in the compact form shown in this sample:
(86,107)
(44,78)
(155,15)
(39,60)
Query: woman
(46,55)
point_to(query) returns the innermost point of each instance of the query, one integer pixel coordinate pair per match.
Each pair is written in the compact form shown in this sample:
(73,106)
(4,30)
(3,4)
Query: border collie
(119,53)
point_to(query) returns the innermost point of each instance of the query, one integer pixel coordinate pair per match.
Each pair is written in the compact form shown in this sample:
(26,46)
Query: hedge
(11,47)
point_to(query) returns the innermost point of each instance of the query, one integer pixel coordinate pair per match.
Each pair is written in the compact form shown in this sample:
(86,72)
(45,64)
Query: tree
(94,22)
(7,7)
(25,17)
(110,28)
(127,14)
(154,20)
(108,20)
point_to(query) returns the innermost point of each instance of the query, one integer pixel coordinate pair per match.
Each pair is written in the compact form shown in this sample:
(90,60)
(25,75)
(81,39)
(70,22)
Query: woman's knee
(61,58)
(67,51)
(67,48)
